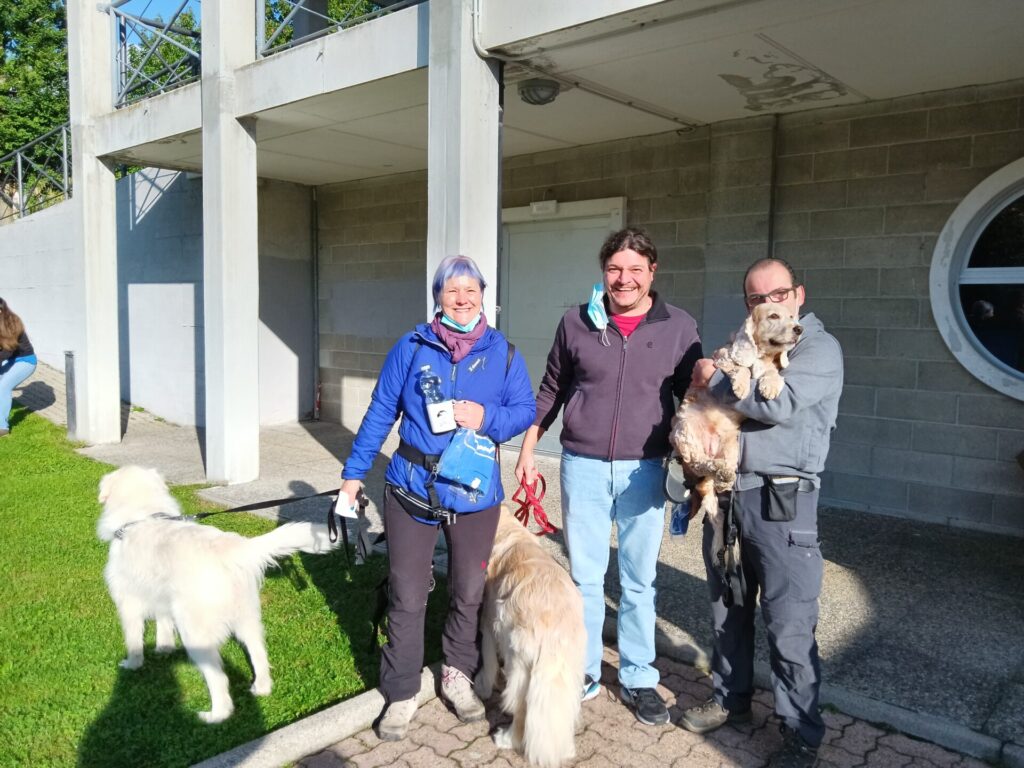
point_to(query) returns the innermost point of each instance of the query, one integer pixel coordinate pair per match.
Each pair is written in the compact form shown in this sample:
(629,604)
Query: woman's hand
(469,414)
(351,489)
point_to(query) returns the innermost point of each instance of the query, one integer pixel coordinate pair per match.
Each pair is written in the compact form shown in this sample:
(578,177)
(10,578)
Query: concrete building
(295,201)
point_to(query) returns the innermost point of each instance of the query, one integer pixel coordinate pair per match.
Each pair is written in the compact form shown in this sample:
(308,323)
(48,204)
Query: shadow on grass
(146,722)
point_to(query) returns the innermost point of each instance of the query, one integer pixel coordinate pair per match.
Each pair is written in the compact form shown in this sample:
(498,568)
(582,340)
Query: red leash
(529,501)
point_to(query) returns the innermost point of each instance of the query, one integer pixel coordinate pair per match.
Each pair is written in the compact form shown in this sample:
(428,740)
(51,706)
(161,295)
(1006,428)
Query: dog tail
(553,704)
(264,550)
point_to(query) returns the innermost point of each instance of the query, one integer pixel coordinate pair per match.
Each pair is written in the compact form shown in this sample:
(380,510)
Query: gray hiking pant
(410,553)
(782,562)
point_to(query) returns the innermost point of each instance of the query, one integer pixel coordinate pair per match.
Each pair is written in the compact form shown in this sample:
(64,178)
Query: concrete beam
(387,46)
(97,401)
(503,23)
(154,119)
(230,249)
(463,148)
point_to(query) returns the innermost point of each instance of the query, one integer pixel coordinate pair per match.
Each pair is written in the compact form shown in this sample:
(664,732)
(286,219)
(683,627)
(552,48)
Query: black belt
(430,508)
(414,455)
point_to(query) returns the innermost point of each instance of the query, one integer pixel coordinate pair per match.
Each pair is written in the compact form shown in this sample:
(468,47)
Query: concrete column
(463,148)
(230,249)
(97,397)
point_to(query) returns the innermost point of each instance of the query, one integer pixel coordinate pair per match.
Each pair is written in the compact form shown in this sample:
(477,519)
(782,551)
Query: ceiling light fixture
(538,90)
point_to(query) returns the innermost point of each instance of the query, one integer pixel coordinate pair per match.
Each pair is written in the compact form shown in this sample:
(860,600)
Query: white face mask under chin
(596,312)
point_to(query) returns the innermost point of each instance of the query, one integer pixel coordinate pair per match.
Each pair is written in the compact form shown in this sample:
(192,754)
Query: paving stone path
(611,736)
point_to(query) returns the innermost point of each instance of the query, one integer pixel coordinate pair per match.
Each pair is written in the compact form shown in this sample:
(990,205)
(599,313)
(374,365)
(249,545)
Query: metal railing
(154,55)
(36,175)
(281,24)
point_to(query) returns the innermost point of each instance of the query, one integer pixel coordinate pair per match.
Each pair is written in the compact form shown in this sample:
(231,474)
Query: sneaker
(591,688)
(647,705)
(795,752)
(395,721)
(457,690)
(709,716)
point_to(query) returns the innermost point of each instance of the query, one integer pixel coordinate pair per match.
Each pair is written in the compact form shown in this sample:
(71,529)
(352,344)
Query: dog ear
(743,350)
(105,483)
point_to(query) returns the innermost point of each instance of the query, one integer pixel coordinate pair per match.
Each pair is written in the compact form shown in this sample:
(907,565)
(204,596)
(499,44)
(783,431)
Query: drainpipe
(315,239)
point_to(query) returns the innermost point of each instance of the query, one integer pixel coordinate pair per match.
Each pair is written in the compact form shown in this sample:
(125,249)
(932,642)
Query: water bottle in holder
(440,412)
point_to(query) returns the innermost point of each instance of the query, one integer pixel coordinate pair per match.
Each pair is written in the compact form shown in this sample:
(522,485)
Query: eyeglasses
(777,296)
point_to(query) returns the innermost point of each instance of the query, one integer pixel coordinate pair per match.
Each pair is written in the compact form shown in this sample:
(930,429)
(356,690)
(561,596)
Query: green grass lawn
(63,699)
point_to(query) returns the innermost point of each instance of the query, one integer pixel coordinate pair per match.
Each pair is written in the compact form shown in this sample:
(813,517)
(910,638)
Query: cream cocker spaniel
(705,432)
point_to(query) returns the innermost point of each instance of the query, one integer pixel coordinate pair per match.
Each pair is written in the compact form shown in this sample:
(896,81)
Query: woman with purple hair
(459,358)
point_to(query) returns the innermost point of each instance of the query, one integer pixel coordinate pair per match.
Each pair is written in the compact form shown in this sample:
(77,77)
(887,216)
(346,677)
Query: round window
(977,281)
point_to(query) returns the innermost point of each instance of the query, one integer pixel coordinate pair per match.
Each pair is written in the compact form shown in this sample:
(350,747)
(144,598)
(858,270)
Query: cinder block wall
(860,194)
(372,273)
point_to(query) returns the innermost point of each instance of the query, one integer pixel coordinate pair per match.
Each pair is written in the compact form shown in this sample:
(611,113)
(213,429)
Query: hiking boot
(457,690)
(795,752)
(591,688)
(710,715)
(395,721)
(647,705)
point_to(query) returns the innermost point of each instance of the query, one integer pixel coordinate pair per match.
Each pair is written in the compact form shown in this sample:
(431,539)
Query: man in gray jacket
(774,510)
(616,366)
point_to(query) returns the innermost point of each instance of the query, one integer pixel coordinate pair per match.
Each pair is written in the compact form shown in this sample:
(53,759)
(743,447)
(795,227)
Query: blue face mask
(595,309)
(462,328)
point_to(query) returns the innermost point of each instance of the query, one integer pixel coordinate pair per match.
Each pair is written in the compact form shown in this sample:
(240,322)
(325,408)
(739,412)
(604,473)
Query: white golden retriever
(705,432)
(532,620)
(194,578)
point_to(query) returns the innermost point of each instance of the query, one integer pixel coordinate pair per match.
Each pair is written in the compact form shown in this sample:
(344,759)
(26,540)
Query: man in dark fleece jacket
(617,366)
(775,510)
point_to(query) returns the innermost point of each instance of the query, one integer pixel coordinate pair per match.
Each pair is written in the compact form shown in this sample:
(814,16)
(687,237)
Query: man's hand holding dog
(703,370)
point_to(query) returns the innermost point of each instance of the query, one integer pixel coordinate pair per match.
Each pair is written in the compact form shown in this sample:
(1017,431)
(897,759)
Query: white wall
(38,272)
(160,293)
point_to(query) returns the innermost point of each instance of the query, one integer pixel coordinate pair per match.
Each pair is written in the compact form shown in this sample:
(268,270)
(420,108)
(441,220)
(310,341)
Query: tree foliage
(33,70)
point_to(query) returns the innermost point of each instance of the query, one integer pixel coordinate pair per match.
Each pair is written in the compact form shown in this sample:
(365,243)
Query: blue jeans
(594,494)
(12,373)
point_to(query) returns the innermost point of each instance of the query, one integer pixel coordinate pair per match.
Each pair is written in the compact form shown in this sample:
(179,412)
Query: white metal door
(549,264)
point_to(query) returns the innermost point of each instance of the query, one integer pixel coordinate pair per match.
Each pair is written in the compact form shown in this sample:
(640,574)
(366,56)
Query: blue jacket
(508,404)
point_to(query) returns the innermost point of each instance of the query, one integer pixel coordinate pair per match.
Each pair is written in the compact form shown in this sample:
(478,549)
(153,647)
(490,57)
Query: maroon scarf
(458,343)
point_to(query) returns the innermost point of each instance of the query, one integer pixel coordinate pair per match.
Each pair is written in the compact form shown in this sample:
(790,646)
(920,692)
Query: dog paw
(132,662)
(261,687)
(740,388)
(770,387)
(211,717)
(503,738)
(166,648)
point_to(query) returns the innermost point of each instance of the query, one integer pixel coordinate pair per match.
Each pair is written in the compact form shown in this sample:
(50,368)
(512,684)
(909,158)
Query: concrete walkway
(921,631)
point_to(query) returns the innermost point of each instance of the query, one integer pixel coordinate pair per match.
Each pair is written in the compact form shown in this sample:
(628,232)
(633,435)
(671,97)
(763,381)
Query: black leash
(264,505)
(362,533)
(362,542)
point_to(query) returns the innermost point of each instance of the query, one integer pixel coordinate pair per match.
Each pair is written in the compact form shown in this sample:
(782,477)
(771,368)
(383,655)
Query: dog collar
(119,533)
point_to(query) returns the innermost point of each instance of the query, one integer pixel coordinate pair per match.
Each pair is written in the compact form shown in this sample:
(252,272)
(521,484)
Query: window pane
(1002,242)
(995,314)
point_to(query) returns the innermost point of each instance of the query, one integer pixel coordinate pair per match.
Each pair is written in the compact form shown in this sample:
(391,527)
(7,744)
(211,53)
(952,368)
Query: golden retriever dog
(705,433)
(533,621)
(194,578)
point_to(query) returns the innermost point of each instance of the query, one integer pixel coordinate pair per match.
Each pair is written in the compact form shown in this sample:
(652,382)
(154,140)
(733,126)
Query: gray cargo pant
(782,561)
